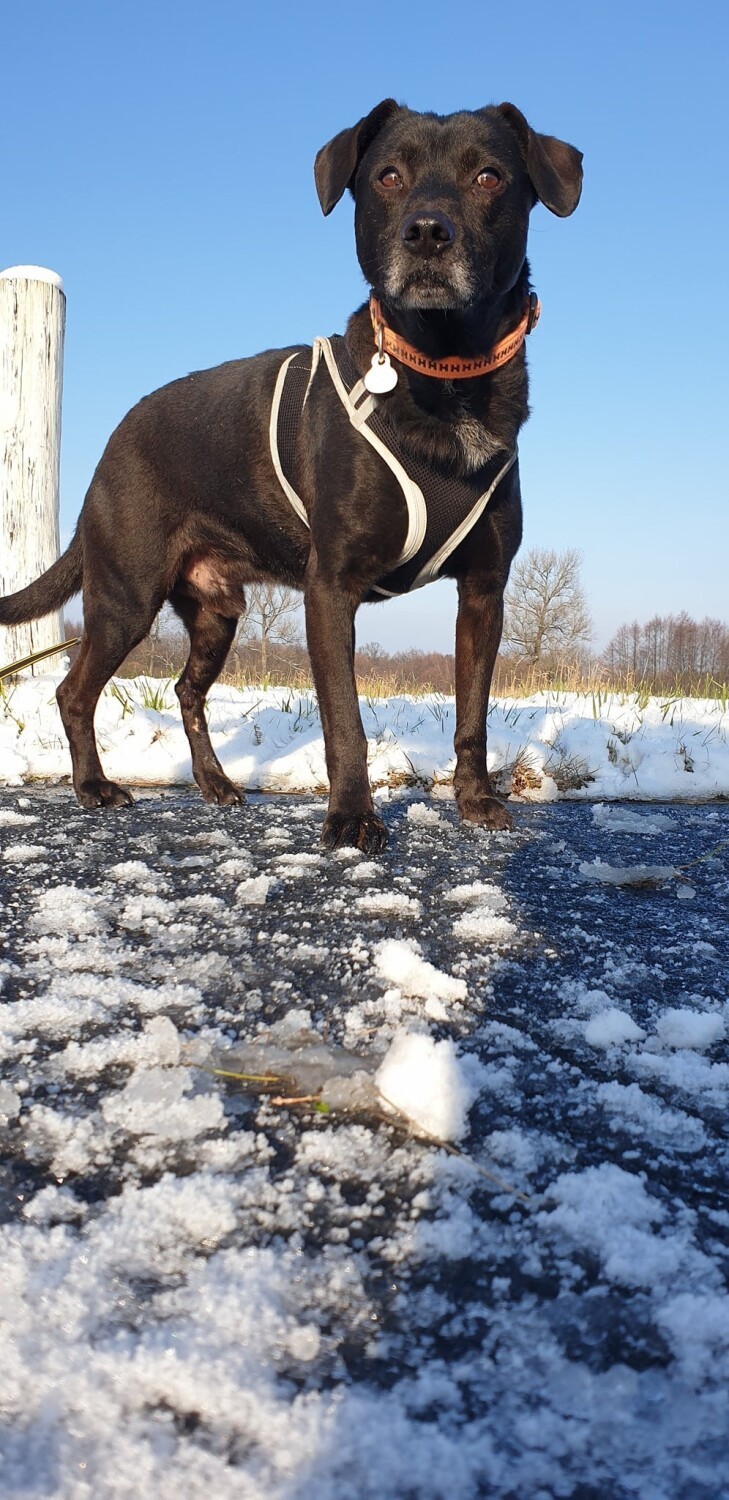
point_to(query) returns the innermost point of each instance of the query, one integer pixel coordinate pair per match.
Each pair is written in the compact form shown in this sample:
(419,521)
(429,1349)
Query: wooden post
(32,321)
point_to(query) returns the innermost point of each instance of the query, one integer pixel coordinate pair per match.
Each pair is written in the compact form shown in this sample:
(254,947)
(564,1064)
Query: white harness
(361,407)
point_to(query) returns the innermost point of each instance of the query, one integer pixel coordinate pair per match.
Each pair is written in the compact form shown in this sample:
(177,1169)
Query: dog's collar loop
(452,368)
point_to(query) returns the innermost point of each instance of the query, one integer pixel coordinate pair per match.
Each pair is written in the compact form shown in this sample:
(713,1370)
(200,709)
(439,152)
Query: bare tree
(374,652)
(270,618)
(669,649)
(623,656)
(545,609)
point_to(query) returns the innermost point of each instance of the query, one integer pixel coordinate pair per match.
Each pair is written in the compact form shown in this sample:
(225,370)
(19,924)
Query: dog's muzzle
(425,266)
(428,232)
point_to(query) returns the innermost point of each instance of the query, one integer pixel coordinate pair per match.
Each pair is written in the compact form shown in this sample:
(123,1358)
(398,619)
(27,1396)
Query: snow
(388,903)
(481,921)
(427,817)
(364,871)
(9,1103)
(611,1027)
(255,890)
(478,893)
(481,925)
(426,1081)
(697,1328)
(680,1027)
(32,273)
(270,739)
(304,1342)
(401,963)
(18,853)
(610,1212)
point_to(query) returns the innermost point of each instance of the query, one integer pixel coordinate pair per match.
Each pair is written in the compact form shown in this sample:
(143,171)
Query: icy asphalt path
(205,1295)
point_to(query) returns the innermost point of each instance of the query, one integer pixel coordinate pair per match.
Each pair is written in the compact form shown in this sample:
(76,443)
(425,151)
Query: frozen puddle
(345,1178)
(420,1082)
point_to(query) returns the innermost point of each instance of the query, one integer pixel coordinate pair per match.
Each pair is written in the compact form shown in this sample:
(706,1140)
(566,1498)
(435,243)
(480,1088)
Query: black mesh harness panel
(442,508)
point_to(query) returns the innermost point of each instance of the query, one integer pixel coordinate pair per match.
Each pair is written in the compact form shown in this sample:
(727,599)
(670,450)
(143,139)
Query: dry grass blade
(450,1149)
(281,1101)
(499,1182)
(708,855)
(274,1080)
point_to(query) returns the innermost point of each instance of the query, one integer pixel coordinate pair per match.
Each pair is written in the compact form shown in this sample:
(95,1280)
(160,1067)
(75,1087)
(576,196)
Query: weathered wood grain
(32,321)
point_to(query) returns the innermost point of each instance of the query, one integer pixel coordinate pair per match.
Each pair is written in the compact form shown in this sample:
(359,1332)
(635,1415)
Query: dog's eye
(391,178)
(488,179)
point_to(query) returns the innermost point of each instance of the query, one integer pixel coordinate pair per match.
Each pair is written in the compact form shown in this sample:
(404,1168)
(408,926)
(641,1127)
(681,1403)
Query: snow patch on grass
(613,746)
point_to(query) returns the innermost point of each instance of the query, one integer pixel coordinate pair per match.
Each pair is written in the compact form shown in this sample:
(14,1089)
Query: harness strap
(273,438)
(429,572)
(441,510)
(414,498)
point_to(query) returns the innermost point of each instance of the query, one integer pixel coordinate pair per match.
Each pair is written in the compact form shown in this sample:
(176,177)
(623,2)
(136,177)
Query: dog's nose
(428,232)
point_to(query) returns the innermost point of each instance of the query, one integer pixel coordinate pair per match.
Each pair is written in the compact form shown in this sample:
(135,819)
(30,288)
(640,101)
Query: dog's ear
(338,161)
(554,167)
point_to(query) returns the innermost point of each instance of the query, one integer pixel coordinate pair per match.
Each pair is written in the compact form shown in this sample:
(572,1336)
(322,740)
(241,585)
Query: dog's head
(442,203)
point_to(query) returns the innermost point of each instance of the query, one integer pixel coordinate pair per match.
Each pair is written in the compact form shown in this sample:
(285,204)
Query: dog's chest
(441,508)
(478,446)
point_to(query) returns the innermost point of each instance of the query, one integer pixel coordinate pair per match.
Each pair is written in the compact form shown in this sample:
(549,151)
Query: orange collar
(453,368)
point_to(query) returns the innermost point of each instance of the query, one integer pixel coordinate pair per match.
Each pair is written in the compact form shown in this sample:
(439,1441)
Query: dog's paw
(216,788)
(487,811)
(364,831)
(101,793)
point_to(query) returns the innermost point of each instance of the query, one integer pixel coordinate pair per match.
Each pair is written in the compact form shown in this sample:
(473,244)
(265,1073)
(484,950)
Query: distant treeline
(671,653)
(669,648)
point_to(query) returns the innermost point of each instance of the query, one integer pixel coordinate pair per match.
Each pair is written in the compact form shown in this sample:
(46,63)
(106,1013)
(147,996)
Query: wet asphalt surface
(649,949)
(657,947)
(652,942)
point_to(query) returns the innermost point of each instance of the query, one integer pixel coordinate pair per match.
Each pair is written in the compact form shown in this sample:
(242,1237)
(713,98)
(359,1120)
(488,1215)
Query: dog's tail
(48,592)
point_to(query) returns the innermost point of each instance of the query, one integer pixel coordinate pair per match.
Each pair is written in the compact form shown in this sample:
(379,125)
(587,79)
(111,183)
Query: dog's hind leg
(106,640)
(211,637)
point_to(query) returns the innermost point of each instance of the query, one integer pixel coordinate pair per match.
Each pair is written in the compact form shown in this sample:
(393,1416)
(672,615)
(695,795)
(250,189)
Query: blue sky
(159,157)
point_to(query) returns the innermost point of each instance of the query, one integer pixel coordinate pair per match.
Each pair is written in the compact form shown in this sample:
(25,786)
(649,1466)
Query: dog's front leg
(478,633)
(351,819)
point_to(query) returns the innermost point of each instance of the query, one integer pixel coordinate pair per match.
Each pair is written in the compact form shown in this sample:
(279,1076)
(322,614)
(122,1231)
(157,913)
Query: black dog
(348,487)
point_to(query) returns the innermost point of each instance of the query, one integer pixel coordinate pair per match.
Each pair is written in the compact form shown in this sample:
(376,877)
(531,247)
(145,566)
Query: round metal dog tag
(381,377)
